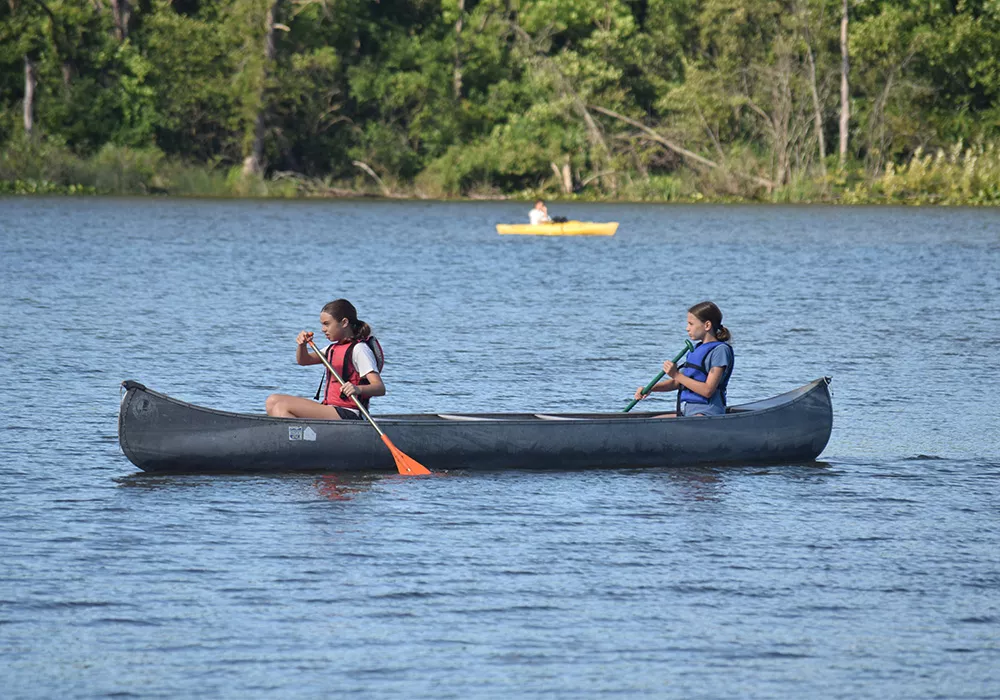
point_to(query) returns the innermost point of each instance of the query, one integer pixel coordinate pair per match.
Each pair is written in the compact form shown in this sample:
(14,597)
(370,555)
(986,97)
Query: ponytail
(708,311)
(362,331)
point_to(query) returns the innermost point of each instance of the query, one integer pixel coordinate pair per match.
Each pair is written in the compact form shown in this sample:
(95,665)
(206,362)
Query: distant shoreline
(958,178)
(23,189)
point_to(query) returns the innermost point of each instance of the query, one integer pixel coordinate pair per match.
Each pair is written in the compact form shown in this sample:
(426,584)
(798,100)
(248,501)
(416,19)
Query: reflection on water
(339,487)
(698,485)
(153,481)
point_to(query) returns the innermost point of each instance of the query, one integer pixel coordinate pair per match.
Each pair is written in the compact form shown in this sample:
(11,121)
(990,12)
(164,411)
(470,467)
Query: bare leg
(285,406)
(666,415)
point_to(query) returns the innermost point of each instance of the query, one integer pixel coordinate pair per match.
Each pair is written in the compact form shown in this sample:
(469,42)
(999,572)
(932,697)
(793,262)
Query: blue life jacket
(694,367)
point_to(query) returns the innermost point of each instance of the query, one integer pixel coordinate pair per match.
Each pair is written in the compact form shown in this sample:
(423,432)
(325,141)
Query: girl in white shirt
(350,353)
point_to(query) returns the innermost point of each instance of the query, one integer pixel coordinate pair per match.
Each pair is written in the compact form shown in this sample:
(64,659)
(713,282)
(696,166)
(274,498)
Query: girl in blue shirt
(702,377)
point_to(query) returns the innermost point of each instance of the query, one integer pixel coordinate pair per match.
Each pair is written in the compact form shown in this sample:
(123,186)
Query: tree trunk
(567,178)
(877,142)
(457,74)
(845,107)
(564,177)
(253,163)
(781,117)
(817,109)
(122,12)
(555,170)
(386,192)
(30,83)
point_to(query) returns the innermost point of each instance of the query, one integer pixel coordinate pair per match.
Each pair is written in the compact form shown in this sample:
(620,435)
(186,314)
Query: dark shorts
(347,414)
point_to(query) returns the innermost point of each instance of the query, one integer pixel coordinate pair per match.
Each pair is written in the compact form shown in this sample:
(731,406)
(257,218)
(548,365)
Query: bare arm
(665,385)
(303,355)
(705,388)
(374,387)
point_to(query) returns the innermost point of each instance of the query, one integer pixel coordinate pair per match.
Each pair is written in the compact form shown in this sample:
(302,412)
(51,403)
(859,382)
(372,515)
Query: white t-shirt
(537,216)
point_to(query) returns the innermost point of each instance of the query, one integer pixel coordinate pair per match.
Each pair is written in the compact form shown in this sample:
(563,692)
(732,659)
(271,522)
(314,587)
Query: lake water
(872,572)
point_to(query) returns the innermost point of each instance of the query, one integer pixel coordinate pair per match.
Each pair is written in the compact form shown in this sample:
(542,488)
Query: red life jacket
(340,356)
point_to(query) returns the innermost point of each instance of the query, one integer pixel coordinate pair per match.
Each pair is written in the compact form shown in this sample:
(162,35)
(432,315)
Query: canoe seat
(547,417)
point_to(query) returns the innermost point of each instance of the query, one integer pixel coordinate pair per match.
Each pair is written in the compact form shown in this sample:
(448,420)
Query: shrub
(124,170)
(968,175)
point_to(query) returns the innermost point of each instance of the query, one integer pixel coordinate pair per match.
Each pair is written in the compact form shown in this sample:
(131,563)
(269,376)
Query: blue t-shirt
(719,356)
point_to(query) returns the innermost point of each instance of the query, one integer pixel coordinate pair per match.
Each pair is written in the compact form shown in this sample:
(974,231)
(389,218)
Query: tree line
(642,99)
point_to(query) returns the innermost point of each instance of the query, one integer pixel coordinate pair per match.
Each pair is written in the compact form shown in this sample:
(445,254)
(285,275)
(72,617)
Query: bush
(41,187)
(802,190)
(124,170)
(960,176)
(195,180)
(37,159)
(441,179)
(656,188)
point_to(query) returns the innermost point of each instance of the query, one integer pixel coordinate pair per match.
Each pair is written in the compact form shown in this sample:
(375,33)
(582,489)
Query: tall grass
(43,166)
(36,166)
(967,175)
(656,188)
(962,175)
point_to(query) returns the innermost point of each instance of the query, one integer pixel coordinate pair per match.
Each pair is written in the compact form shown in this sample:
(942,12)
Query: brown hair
(341,309)
(707,311)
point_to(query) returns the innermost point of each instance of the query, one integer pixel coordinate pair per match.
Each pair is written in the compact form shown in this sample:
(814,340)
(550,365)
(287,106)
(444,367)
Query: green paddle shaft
(688,347)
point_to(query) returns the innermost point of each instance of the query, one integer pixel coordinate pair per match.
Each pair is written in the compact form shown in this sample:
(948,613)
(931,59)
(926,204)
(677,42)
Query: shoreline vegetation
(784,101)
(960,176)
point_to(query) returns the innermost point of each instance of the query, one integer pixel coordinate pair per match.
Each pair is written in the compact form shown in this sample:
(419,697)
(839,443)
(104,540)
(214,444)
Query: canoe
(570,228)
(162,434)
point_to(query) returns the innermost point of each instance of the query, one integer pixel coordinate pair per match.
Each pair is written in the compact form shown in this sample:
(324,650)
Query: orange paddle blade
(405,465)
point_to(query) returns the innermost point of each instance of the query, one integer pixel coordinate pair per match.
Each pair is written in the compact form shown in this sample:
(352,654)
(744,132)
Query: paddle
(688,347)
(405,464)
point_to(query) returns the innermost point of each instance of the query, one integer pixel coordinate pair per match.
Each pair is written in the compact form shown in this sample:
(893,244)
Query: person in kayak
(352,353)
(701,379)
(540,215)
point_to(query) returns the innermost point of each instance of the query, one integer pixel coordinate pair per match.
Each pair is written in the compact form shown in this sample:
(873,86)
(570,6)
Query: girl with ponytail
(701,379)
(354,353)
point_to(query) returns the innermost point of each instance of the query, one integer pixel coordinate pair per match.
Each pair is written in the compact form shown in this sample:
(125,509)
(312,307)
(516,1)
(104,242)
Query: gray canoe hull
(161,434)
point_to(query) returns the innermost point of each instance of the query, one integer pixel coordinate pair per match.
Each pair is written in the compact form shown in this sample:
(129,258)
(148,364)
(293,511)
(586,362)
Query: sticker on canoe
(298,432)
(144,409)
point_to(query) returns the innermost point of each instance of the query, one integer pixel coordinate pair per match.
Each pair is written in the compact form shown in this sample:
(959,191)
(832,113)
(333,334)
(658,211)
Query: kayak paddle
(688,347)
(405,464)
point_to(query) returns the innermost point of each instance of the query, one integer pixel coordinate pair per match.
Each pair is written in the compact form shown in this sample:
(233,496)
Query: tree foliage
(458,96)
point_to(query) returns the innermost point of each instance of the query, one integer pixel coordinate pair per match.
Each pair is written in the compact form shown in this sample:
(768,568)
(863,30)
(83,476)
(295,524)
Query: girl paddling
(704,374)
(351,349)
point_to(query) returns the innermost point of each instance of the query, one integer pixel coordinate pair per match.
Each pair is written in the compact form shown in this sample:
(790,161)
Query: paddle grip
(688,347)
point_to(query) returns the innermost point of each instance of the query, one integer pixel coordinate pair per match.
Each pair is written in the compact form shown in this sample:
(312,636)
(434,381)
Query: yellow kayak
(570,228)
